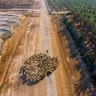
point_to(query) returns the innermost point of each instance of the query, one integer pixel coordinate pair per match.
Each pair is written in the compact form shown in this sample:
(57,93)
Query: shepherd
(46,51)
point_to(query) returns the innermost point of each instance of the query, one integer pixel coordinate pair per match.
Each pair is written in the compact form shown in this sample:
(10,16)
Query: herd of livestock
(36,67)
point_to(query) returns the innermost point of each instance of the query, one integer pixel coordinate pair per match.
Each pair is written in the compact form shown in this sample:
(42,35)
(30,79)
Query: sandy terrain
(38,36)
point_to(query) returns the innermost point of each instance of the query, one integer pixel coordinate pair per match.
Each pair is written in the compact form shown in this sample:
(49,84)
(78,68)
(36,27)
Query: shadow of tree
(82,86)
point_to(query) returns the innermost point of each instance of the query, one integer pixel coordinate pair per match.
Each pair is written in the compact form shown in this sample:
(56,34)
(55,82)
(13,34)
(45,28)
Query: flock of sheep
(38,66)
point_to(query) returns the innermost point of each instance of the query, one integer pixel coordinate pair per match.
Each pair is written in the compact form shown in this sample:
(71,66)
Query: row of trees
(84,12)
(83,84)
(89,59)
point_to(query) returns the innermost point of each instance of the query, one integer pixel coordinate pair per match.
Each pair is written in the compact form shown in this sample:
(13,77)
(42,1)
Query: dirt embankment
(60,42)
(61,82)
(9,48)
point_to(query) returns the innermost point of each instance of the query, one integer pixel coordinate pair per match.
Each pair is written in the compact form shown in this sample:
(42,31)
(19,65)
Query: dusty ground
(8,4)
(38,36)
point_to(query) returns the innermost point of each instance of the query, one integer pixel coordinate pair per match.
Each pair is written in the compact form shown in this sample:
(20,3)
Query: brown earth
(30,40)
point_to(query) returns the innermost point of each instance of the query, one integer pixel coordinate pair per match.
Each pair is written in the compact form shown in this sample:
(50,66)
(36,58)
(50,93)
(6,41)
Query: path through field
(38,37)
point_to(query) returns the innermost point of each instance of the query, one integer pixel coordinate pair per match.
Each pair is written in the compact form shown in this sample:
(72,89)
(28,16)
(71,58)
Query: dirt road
(39,36)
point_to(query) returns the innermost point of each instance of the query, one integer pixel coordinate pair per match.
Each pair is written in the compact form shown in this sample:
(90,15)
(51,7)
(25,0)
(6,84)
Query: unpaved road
(39,36)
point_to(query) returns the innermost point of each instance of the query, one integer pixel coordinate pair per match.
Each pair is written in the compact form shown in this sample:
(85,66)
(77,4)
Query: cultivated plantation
(81,24)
